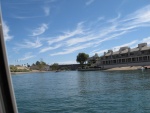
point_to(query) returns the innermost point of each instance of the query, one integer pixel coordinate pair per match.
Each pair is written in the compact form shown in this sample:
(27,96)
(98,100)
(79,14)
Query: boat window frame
(7,97)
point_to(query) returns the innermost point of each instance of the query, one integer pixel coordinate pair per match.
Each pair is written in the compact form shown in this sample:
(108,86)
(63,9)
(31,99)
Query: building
(139,56)
(94,60)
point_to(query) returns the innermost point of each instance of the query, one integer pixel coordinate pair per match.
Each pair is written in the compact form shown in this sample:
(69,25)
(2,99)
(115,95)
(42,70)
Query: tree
(40,64)
(33,64)
(55,66)
(13,68)
(43,63)
(28,65)
(37,63)
(82,58)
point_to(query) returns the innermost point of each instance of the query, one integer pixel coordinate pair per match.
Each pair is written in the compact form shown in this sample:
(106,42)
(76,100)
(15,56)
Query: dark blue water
(83,92)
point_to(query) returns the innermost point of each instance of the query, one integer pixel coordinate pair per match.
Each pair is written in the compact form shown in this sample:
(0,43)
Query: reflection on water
(82,92)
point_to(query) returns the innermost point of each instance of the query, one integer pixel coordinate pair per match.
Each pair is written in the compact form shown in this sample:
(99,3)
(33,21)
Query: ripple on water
(83,92)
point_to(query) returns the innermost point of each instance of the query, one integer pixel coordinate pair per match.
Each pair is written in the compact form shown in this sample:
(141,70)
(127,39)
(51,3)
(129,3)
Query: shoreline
(127,68)
(124,68)
(33,71)
(111,69)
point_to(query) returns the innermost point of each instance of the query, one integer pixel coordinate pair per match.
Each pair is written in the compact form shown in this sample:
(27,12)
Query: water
(83,92)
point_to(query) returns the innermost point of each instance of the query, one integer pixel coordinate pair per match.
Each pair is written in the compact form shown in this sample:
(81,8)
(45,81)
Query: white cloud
(49,48)
(92,41)
(141,15)
(68,62)
(46,11)
(115,19)
(25,17)
(77,31)
(101,51)
(6,31)
(89,2)
(30,45)
(146,40)
(40,30)
(95,35)
(110,37)
(26,56)
(72,49)
(134,42)
(87,34)
(100,18)
(77,40)
(140,18)
(116,48)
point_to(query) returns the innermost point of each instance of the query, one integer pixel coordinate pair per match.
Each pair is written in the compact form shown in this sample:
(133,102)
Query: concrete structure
(139,56)
(70,66)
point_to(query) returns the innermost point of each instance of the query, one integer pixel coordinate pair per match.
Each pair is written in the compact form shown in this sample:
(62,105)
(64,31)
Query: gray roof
(124,51)
(134,49)
(92,58)
(115,53)
(145,48)
(108,54)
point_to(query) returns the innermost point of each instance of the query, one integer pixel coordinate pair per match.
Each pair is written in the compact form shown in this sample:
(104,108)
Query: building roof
(134,49)
(115,53)
(145,48)
(108,54)
(124,51)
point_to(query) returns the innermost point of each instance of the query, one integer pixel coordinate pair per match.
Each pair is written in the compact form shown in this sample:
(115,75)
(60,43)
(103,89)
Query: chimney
(104,53)
(110,51)
(142,45)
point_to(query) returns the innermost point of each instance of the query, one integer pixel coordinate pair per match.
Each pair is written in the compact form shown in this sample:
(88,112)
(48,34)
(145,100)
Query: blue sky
(57,30)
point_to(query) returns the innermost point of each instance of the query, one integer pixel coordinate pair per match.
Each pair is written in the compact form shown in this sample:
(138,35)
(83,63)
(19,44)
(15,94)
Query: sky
(55,31)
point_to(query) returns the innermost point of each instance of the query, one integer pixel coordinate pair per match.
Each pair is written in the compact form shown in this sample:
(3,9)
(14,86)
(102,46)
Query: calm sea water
(83,92)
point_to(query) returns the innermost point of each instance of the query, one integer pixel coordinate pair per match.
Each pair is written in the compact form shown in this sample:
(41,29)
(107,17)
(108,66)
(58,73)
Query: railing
(120,57)
(119,60)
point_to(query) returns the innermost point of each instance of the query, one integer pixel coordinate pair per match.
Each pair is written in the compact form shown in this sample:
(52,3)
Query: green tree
(55,66)
(40,64)
(37,63)
(43,63)
(33,64)
(82,58)
(13,68)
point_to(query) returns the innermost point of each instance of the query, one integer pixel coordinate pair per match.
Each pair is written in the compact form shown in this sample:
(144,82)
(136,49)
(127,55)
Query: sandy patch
(125,68)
